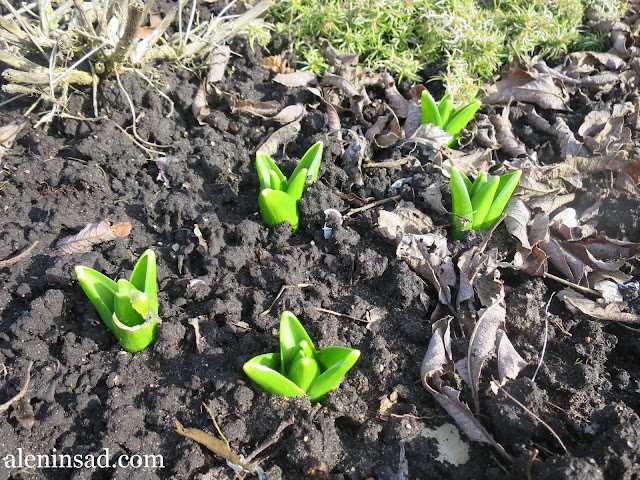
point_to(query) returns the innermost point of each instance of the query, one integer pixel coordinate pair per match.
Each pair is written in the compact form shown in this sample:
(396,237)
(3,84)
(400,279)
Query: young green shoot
(279,195)
(129,308)
(445,115)
(299,369)
(479,204)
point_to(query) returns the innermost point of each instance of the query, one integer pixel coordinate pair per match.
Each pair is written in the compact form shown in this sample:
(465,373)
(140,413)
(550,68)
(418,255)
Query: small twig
(24,25)
(160,92)
(20,256)
(23,391)
(267,443)
(195,323)
(215,424)
(282,290)
(575,286)
(530,413)
(371,205)
(341,315)
(546,336)
(192,15)
(387,164)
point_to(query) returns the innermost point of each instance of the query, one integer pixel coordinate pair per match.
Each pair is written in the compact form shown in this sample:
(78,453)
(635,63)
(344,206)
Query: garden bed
(236,277)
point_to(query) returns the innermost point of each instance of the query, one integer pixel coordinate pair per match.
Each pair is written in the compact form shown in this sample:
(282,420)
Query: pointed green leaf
(429,111)
(277,207)
(460,120)
(296,185)
(337,361)
(276,182)
(507,186)
(482,200)
(460,204)
(480,180)
(122,304)
(291,334)
(100,290)
(144,277)
(467,182)
(263,370)
(304,369)
(445,107)
(310,161)
(266,167)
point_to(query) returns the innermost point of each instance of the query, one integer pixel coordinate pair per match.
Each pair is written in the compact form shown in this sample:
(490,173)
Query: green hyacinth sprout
(479,205)
(445,115)
(299,369)
(129,308)
(279,195)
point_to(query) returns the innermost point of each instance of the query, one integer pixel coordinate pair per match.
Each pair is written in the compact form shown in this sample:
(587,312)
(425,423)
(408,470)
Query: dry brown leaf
(432,135)
(509,360)
(198,233)
(567,142)
(509,143)
(397,102)
(403,221)
(295,79)
(200,106)
(528,86)
(482,344)
(93,234)
(356,152)
(280,137)
(8,134)
(413,121)
(290,113)
(612,312)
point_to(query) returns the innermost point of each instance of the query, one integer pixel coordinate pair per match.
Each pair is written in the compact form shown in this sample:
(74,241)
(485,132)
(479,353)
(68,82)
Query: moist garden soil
(87,394)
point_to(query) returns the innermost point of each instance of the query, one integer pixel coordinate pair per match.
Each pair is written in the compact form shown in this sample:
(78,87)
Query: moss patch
(471,39)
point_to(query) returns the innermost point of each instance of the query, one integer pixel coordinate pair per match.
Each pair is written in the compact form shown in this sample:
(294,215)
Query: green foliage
(445,115)
(279,196)
(479,204)
(472,38)
(299,368)
(129,308)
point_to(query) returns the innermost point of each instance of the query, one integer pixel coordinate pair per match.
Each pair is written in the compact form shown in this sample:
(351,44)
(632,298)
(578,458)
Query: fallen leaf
(8,134)
(277,64)
(280,137)
(295,79)
(612,312)
(198,233)
(93,234)
(567,142)
(200,106)
(509,360)
(397,102)
(403,221)
(517,217)
(482,344)
(507,140)
(528,86)
(290,113)
(431,135)
(353,156)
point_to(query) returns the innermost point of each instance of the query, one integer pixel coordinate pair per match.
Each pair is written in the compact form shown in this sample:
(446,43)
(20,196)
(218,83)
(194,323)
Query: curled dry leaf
(567,142)
(613,312)
(8,134)
(397,102)
(403,221)
(280,137)
(429,257)
(432,135)
(437,360)
(200,106)
(198,233)
(573,249)
(507,140)
(481,345)
(290,113)
(93,234)
(353,156)
(471,163)
(509,360)
(277,64)
(485,133)
(295,79)
(528,86)
(412,121)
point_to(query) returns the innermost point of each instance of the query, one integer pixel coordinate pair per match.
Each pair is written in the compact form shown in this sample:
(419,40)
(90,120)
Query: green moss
(470,38)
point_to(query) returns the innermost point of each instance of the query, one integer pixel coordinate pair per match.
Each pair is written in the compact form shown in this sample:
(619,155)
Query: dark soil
(87,394)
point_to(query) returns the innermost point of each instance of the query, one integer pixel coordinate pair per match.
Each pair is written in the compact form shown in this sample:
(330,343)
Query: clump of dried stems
(52,47)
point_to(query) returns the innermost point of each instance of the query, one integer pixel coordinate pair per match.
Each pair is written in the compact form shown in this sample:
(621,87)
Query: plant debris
(93,234)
